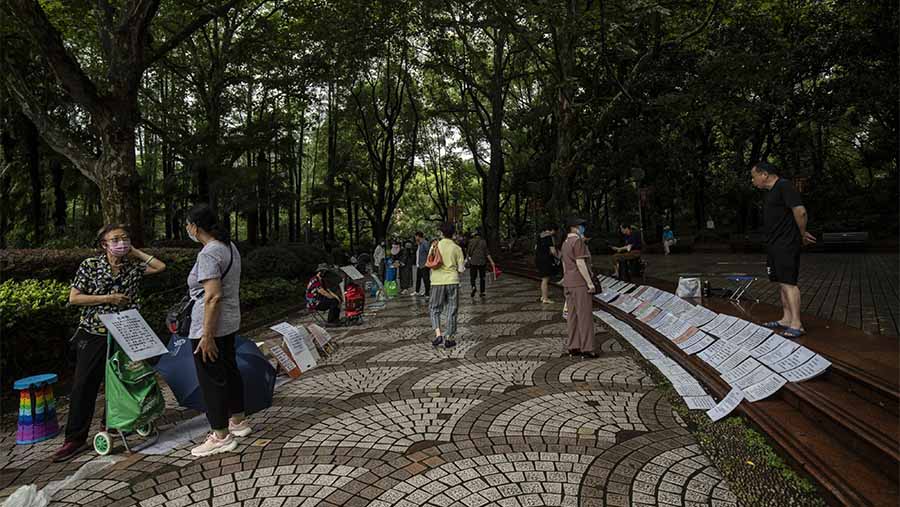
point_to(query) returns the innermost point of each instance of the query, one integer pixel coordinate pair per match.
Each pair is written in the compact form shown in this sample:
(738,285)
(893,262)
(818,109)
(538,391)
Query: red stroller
(354,303)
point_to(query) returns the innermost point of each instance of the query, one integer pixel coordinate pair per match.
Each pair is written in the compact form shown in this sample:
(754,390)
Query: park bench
(842,240)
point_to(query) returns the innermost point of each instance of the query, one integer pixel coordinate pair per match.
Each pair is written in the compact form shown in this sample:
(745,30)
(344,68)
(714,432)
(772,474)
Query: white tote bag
(688,288)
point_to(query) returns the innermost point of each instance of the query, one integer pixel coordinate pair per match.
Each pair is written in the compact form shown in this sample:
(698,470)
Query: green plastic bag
(390,288)
(133,397)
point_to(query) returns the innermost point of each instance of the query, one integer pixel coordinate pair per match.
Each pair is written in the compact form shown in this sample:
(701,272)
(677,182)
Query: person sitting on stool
(631,249)
(320,298)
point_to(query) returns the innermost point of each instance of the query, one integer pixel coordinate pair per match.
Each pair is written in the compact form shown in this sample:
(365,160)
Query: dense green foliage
(341,122)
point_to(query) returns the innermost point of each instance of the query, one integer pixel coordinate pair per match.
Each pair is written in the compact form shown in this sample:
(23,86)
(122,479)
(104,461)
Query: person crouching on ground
(579,285)
(107,283)
(445,288)
(320,298)
(214,283)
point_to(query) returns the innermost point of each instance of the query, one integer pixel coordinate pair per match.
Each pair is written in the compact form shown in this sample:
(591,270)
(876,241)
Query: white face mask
(192,236)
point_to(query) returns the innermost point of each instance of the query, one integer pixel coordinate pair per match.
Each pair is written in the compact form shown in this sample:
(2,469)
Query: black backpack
(178,318)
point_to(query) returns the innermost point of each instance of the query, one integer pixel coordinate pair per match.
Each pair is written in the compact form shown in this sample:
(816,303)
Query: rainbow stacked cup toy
(37,409)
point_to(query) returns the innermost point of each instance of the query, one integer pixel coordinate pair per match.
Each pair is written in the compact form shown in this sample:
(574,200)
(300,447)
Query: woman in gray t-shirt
(214,284)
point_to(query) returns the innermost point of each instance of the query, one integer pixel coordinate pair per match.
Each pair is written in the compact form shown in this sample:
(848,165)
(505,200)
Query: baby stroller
(354,302)
(133,400)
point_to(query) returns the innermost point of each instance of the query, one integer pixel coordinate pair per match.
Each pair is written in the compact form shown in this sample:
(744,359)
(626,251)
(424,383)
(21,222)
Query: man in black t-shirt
(785,221)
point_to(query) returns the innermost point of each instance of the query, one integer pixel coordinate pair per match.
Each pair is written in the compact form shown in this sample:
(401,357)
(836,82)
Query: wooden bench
(844,240)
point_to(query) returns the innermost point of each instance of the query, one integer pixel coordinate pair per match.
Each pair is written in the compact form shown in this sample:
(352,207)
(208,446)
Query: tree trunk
(32,144)
(563,168)
(6,186)
(59,208)
(262,190)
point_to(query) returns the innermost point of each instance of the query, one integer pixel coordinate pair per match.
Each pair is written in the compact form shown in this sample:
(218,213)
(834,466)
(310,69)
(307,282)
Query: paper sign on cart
(133,334)
(296,345)
(727,404)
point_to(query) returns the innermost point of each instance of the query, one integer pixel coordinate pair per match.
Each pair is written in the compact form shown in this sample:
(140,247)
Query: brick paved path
(505,418)
(858,289)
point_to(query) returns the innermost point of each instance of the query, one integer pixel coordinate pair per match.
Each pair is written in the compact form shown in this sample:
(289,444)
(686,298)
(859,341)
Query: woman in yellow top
(445,288)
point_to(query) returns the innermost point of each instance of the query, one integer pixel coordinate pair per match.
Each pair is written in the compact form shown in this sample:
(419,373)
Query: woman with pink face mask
(107,283)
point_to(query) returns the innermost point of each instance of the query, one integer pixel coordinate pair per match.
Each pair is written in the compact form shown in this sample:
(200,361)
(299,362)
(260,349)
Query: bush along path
(504,418)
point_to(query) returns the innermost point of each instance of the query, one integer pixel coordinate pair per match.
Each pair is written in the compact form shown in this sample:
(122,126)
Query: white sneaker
(214,445)
(241,429)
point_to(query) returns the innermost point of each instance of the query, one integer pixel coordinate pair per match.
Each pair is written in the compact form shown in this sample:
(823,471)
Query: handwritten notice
(772,343)
(734,329)
(699,402)
(296,345)
(812,368)
(284,359)
(795,360)
(764,388)
(727,404)
(133,334)
(732,362)
(740,371)
(688,338)
(758,337)
(320,334)
(745,334)
(757,376)
(718,352)
(783,351)
(706,341)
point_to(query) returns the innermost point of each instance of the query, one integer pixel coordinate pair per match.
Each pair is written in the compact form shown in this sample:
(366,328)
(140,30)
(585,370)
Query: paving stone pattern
(506,418)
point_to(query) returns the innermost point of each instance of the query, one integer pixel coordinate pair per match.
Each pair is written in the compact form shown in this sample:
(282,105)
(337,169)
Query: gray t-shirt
(211,263)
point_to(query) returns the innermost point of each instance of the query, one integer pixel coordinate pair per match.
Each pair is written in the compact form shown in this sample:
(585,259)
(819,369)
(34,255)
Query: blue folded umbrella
(180,373)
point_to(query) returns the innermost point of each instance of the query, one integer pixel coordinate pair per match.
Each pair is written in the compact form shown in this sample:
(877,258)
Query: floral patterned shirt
(95,277)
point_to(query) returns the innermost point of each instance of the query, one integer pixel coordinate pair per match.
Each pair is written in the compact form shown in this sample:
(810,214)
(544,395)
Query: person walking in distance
(478,259)
(424,273)
(785,221)
(579,285)
(546,258)
(448,264)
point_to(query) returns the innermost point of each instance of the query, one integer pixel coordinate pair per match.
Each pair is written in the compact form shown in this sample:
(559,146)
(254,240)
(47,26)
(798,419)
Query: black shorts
(783,264)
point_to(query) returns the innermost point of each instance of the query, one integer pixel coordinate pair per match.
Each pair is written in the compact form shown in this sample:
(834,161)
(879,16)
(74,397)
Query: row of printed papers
(626,303)
(749,357)
(682,381)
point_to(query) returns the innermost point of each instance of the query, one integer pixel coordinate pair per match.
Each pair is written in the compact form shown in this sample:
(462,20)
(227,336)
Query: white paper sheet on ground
(642,309)
(718,352)
(689,389)
(647,294)
(740,371)
(689,338)
(699,402)
(638,293)
(723,325)
(352,272)
(678,306)
(606,296)
(771,343)
(626,303)
(700,345)
(321,336)
(796,359)
(657,319)
(728,403)
(734,329)
(310,342)
(783,351)
(651,315)
(731,363)
(764,388)
(296,345)
(133,334)
(703,316)
(675,330)
(627,288)
(812,368)
(745,334)
(662,298)
(757,376)
(181,433)
(760,335)
(667,319)
(714,323)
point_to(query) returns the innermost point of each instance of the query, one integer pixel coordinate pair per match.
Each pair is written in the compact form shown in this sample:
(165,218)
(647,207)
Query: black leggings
(478,271)
(221,383)
(333,306)
(90,363)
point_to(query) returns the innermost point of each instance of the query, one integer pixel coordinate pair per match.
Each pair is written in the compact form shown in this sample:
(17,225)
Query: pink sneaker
(214,445)
(241,429)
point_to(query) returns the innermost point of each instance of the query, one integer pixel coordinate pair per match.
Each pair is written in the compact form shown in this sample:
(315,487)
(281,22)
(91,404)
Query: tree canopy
(347,121)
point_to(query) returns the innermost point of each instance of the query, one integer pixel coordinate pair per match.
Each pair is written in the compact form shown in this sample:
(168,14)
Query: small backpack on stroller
(354,302)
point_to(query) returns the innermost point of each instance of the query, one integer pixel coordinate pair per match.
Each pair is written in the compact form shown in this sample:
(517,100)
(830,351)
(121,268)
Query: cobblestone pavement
(858,289)
(505,418)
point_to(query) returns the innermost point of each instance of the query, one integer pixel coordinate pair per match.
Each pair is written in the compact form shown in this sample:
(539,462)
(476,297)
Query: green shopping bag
(133,397)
